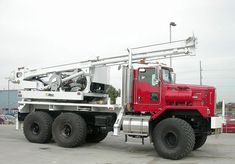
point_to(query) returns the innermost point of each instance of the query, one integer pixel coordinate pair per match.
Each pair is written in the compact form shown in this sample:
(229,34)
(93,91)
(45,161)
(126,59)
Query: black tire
(69,130)
(96,136)
(37,127)
(173,138)
(199,141)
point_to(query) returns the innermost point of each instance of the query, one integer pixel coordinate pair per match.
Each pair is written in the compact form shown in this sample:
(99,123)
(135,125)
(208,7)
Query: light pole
(8,93)
(171,24)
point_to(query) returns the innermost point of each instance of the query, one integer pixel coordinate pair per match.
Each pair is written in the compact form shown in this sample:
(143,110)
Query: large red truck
(70,102)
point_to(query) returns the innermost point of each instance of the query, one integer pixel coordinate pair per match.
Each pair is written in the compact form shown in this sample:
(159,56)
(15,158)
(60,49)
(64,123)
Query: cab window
(147,75)
(166,75)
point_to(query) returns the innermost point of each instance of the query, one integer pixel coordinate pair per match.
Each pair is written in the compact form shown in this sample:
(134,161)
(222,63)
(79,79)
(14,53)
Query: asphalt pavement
(15,149)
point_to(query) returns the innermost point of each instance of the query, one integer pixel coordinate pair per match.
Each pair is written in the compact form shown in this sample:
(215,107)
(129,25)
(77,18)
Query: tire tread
(46,126)
(80,130)
(190,139)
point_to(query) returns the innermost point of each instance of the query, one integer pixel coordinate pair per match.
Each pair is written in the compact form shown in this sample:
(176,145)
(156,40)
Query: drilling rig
(70,102)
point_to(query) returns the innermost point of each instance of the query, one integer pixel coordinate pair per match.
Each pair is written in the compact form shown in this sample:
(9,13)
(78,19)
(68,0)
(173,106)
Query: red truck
(69,102)
(229,123)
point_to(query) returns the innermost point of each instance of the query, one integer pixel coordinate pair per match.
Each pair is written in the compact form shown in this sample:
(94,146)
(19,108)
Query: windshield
(166,75)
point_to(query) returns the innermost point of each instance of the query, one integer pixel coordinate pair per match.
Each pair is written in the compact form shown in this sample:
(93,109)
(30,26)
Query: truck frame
(70,104)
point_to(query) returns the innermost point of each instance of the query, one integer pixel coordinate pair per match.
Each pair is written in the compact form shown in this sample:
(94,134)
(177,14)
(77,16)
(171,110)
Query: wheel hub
(67,130)
(170,139)
(35,128)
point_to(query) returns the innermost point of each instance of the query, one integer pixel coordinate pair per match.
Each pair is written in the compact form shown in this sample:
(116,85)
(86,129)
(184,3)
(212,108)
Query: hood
(191,95)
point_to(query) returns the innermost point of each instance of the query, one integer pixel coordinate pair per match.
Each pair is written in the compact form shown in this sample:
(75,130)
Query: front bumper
(216,125)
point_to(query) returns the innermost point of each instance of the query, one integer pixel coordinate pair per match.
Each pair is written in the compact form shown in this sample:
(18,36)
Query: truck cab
(154,90)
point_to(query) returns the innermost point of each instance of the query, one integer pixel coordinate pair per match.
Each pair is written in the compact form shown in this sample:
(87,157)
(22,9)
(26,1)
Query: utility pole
(200,72)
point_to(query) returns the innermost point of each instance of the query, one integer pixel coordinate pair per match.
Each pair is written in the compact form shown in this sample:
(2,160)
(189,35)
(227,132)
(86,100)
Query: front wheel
(173,138)
(199,141)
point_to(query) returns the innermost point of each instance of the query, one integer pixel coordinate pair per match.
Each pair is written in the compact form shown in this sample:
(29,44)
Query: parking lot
(15,149)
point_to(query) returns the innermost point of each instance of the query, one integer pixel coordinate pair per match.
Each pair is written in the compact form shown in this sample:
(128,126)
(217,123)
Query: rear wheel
(37,127)
(200,141)
(96,136)
(173,138)
(69,130)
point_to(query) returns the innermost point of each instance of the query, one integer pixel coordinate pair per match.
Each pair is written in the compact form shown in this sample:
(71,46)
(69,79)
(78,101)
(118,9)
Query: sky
(43,33)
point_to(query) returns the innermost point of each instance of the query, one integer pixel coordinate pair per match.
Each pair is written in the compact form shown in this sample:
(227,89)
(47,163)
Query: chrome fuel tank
(136,125)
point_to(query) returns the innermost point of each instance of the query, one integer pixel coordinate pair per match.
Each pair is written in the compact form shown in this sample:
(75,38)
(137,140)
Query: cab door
(146,90)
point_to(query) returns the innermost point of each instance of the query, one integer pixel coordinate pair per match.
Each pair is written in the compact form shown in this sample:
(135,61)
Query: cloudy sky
(44,33)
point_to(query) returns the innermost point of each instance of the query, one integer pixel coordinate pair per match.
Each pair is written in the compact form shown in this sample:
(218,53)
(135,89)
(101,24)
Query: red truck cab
(157,94)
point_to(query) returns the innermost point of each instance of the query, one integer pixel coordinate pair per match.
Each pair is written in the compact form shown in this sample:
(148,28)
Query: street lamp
(171,24)
(8,93)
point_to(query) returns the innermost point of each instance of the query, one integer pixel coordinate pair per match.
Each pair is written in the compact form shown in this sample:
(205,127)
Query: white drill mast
(53,78)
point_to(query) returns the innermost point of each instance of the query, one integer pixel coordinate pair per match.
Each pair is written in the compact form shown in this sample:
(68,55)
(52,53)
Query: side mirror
(173,77)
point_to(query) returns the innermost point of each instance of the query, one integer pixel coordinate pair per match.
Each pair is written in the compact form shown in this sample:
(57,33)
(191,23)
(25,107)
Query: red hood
(192,95)
(194,86)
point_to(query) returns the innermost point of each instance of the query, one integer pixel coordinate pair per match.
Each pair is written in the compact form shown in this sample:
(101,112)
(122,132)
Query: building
(8,100)
(230,106)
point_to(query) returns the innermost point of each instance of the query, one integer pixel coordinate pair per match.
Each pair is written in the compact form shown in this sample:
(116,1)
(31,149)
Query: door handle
(139,98)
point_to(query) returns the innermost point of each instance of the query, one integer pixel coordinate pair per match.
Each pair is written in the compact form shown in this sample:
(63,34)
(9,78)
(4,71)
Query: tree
(219,105)
(113,94)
